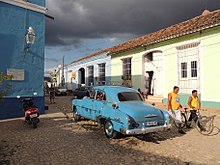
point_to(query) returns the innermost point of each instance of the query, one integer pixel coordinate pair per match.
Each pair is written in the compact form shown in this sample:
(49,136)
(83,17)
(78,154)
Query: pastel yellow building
(185,55)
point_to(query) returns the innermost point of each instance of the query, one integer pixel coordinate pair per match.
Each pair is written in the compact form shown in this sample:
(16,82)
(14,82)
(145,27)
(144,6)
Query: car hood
(140,111)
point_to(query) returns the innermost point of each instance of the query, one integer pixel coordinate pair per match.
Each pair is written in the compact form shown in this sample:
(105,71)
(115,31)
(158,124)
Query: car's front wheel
(109,130)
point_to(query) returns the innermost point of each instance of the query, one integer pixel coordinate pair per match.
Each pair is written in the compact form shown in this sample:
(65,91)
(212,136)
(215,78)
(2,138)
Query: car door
(98,104)
(88,106)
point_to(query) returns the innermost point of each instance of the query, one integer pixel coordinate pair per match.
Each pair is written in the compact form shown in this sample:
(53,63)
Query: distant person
(91,95)
(194,106)
(174,107)
(52,95)
(47,88)
(100,97)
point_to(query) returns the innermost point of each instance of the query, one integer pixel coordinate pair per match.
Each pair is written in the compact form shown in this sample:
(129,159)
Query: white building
(94,69)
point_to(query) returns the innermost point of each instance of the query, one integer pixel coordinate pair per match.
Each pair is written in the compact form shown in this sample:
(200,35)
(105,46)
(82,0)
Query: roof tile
(193,25)
(190,26)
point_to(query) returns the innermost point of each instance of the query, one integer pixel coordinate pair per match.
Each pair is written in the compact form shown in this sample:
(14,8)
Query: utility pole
(62,78)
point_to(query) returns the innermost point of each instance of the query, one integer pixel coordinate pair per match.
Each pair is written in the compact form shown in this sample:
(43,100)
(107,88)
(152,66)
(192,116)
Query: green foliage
(4,90)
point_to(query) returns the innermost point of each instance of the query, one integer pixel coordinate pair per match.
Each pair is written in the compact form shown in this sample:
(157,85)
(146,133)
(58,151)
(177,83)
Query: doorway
(149,82)
(81,76)
(153,73)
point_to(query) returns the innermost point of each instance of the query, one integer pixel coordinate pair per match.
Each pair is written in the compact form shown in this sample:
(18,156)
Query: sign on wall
(73,75)
(17,74)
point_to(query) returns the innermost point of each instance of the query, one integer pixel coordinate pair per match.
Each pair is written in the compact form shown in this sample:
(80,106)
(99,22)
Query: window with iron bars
(194,68)
(126,68)
(188,67)
(102,74)
(183,70)
(90,75)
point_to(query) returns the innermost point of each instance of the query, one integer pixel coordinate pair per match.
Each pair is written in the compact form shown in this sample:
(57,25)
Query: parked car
(79,93)
(120,110)
(60,91)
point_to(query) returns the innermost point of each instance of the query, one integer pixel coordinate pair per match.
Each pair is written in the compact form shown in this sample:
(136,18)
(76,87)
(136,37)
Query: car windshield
(129,96)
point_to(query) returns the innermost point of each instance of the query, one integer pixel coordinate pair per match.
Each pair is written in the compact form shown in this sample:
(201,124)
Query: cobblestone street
(59,140)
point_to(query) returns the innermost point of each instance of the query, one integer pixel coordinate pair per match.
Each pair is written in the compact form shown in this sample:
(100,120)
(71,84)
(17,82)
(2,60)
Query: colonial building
(185,54)
(94,69)
(22,42)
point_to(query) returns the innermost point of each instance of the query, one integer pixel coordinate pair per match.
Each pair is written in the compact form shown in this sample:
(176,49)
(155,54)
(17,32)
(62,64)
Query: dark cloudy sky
(82,27)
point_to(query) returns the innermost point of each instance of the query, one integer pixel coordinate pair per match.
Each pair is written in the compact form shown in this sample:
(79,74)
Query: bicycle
(203,124)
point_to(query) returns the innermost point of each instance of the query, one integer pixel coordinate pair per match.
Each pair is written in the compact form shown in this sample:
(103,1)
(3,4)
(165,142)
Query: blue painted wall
(13,27)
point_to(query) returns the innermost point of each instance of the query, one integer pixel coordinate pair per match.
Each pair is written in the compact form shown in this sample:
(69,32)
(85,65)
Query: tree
(4,87)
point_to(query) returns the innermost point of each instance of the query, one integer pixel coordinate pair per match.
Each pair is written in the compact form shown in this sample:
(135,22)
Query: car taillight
(27,112)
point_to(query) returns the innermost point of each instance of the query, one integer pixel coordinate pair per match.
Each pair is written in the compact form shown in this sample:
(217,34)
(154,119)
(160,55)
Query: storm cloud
(78,20)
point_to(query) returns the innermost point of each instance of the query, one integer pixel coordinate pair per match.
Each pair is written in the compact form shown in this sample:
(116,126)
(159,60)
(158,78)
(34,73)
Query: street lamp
(29,38)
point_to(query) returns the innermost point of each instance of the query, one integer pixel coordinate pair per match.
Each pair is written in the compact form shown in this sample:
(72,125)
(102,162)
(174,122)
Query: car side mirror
(115,106)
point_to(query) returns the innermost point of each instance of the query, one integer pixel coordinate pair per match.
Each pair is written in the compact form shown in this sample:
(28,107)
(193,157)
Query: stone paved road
(58,140)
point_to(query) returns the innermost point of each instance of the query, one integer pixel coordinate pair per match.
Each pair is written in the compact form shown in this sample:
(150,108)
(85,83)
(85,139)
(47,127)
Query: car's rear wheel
(76,117)
(109,130)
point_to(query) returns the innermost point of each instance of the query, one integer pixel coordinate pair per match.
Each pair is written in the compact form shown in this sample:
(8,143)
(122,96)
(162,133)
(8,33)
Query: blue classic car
(120,110)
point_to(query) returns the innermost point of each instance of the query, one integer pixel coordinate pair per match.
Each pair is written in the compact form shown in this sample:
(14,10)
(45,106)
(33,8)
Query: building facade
(184,55)
(21,57)
(91,70)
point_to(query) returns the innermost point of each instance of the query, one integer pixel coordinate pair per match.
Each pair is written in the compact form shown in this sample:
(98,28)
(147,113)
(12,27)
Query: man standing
(174,107)
(194,106)
(52,95)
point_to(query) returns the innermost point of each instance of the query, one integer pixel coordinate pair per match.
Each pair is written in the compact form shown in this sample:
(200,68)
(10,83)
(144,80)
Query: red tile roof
(193,25)
(92,55)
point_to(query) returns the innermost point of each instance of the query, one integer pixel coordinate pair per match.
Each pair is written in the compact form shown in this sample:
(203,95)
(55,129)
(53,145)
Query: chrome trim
(150,116)
(147,129)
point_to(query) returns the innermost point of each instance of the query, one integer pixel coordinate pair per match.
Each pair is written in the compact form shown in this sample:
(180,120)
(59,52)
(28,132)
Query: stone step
(157,99)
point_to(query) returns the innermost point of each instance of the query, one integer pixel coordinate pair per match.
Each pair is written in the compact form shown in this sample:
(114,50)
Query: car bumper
(147,130)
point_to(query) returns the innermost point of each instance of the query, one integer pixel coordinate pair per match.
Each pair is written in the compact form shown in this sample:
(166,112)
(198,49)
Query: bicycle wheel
(205,125)
(183,120)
